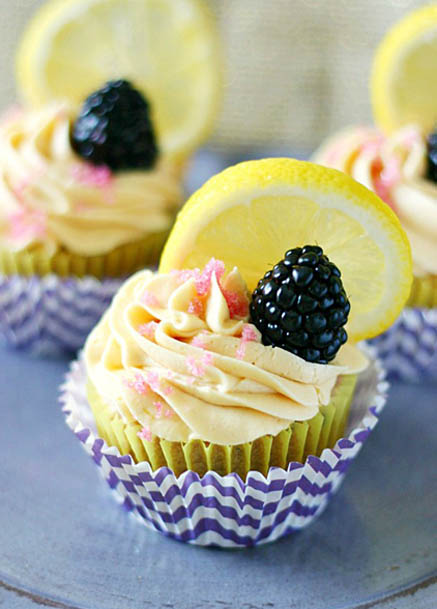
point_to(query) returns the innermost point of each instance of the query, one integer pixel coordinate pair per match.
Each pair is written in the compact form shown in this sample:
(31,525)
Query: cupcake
(178,377)
(398,161)
(92,165)
(197,381)
(75,207)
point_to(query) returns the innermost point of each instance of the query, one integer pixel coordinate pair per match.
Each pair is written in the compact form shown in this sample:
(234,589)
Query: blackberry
(114,128)
(431,173)
(301,306)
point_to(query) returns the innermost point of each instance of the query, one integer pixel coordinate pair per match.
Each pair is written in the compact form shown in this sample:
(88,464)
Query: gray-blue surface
(64,542)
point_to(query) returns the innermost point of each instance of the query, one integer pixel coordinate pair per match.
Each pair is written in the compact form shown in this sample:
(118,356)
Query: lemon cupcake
(84,195)
(92,171)
(237,378)
(398,161)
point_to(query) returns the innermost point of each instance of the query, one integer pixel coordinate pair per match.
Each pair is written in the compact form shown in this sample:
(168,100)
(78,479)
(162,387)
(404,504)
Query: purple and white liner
(51,314)
(408,349)
(223,510)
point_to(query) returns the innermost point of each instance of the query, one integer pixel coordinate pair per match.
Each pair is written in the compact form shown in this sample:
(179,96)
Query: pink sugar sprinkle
(185,275)
(146,434)
(381,186)
(198,342)
(241,351)
(237,302)
(168,413)
(167,390)
(196,307)
(92,175)
(197,368)
(153,381)
(203,283)
(149,299)
(391,174)
(248,335)
(207,359)
(158,405)
(27,224)
(139,385)
(148,330)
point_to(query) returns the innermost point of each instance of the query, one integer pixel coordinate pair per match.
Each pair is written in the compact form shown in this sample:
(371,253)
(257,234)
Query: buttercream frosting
(51,199)
(394,167)
(176,354)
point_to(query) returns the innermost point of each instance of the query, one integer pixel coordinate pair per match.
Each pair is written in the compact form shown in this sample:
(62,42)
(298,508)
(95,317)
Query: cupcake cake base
(225,511)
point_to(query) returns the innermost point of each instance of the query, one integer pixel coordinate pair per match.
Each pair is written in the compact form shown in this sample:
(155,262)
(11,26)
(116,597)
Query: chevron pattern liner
(223,510)
(408,349)
(51,314)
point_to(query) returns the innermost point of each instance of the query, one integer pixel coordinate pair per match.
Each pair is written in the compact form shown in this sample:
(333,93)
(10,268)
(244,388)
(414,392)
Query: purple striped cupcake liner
(408,349)
(50,314)
(225,511)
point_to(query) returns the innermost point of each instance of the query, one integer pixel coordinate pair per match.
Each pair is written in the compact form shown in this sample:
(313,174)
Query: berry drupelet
(431,173)
(114,128)
(301,306)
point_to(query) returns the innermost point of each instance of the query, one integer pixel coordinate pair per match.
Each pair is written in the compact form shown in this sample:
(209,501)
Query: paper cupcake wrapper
(408,349)
(219,510)
(50,314)
(120,262)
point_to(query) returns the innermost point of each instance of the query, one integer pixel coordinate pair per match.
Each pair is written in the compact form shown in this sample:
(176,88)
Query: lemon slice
(166,48)
(251,213)
(403,81)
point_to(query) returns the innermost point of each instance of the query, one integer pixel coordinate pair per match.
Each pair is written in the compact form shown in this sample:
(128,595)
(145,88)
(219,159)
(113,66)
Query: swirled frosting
(51,199)
(393,167)
(176,354)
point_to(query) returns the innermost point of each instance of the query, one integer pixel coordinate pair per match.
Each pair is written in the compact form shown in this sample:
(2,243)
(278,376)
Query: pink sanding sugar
(92,175)
(203,283)
(148,330)
(158,405)
(198,342)
(196,307)
(153,381)
(237,302)
(149,299)
(146,434)
(138,384)
(167,390)
(198,367)
(27,224)
(248,335)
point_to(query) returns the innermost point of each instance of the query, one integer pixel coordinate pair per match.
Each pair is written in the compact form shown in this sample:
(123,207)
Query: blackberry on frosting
(114,128)
(301,305)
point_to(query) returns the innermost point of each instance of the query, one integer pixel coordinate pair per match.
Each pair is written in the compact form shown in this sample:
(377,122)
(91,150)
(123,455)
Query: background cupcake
(92,172)
(398,162)
(194,371)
